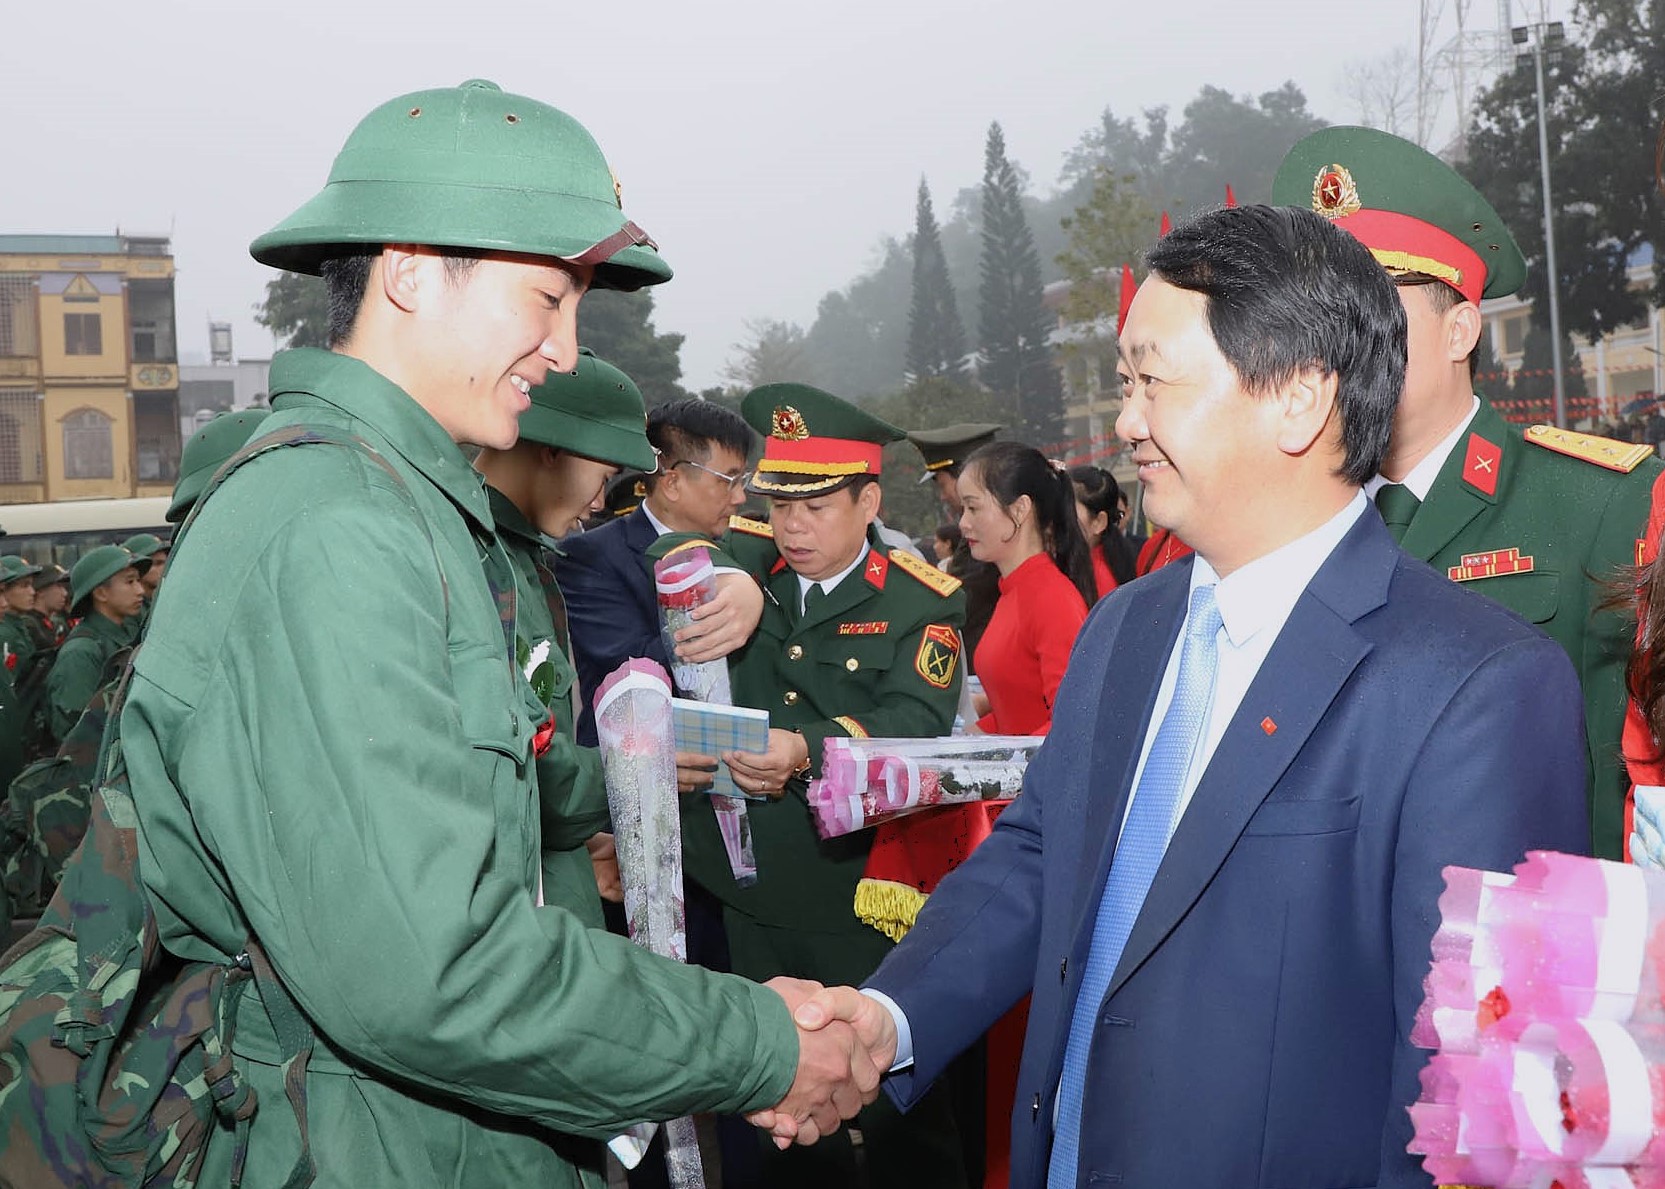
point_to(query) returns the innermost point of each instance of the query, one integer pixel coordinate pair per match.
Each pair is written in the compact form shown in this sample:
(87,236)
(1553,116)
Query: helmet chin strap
(627,236)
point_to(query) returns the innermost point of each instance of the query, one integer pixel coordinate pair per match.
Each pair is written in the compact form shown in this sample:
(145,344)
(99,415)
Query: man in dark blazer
(606,574)
(1222,878)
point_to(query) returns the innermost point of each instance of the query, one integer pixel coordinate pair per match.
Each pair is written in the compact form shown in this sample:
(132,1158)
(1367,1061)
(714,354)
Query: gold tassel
(889,907)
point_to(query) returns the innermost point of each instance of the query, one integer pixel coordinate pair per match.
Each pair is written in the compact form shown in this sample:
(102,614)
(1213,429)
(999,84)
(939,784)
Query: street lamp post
(1547,36)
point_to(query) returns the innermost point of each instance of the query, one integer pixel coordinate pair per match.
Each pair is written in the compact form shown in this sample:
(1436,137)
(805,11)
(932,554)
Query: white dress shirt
(1422,476)
(1255,602)
(828,585)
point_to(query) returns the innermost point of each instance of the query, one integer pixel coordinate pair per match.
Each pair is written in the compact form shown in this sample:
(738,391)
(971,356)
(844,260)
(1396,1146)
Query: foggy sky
(766,146)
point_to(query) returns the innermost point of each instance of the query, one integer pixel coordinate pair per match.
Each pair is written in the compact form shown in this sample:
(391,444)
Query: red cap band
(821,456)
(1410,244)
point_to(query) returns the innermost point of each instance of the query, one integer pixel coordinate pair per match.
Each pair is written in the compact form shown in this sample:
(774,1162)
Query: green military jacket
(45,631)
(329,746)
(79,669)
(17,640)
(571,791)
(1550,536)
(878,656)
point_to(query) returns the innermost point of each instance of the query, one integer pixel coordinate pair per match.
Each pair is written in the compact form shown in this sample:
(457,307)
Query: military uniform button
(795,653)
(791,698)
(852,664)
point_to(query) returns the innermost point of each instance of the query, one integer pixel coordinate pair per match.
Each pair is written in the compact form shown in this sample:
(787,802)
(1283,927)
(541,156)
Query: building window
(20,440)
(17,317)
(83,334)
(1514,334)
(89,449)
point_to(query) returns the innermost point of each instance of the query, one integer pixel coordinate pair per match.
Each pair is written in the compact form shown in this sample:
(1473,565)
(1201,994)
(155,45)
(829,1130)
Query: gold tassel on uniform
(889,907)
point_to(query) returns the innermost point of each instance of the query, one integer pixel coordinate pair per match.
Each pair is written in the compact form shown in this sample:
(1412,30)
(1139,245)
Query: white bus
(61,532)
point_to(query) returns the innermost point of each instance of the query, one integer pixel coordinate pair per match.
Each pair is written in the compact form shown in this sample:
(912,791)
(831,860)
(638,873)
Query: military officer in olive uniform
(1542,522)
(944,451)
(328,734)
(855,641)
(582,427)
(106,592)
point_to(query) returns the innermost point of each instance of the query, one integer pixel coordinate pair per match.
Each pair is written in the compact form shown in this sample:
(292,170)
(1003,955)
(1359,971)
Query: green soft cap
(97,567)
(1413,211)
(471,167)
(50,575)
(207,450)
(595,410)
(145,545)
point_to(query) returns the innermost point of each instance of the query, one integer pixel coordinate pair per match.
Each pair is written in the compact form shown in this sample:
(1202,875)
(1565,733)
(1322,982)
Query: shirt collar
(828,585)
(361,392)
(1422,475)
(658,525)
(1266,590)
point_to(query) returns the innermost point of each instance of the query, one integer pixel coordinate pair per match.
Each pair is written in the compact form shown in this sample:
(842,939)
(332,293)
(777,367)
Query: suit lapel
(1314,655)
(639,535)
(1143,644)
(1453,501)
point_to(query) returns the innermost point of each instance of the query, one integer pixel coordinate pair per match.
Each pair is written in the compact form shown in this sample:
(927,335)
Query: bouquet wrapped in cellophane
(867,781)
(1544,1007)
(638,756)
(683,582)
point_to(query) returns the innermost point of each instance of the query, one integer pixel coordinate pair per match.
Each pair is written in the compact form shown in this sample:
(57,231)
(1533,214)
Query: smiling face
(1205,448)
(486,335)
(822,535)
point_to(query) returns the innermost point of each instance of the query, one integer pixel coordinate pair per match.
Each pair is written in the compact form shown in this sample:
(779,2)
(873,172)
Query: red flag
(1231,199)
(1167,224)
(1129,288)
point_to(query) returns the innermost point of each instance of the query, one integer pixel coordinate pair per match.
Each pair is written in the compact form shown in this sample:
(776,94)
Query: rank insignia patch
(1481,465)
(877,569)
(939,652)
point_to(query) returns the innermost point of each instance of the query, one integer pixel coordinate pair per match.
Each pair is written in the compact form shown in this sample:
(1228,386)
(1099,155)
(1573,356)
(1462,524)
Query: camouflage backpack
(115,1055)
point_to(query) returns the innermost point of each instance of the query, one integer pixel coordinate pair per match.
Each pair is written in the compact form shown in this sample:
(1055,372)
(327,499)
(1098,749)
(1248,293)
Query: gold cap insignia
(1334,193)
(640,489)
(788,424)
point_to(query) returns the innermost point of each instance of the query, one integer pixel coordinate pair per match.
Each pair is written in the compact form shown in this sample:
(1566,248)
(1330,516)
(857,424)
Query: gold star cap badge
(1334,193)
(788,424)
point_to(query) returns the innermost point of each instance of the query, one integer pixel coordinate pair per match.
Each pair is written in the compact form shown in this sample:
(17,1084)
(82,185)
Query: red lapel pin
(1267,725)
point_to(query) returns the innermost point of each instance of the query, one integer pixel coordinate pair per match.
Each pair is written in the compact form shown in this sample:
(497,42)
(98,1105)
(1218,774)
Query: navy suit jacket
(607,579)
(1255,1032)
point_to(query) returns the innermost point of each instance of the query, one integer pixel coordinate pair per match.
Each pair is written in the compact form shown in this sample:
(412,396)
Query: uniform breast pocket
(1533,596)
(858,657)
(1290,818)
(494,714)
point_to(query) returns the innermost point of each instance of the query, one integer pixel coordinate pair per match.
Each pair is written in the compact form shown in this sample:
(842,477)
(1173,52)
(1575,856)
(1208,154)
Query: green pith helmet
(97,567)
(471,167)
(1413,211)
(208,448)
(946,448)
(145,545)
(13,568)
(50,575)
(813,441)
(595,410)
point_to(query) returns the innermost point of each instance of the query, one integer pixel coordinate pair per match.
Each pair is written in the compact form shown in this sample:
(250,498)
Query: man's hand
(723,624)
(836,1074)
(604,858)
(694,772)
(766,773)
(875,1026)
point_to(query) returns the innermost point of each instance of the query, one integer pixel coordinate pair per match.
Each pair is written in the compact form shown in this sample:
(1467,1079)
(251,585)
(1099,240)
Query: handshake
(846,1043)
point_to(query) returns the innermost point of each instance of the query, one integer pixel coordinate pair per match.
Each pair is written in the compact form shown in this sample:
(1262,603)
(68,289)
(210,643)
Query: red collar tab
(1482,464)
(780,564)
(876,569)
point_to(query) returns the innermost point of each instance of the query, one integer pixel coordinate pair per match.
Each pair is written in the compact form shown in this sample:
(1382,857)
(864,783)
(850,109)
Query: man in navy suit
(1221,880)
(606,575)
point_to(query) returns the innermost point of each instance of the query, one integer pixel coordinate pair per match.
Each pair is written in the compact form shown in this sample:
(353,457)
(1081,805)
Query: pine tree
(936,340)
(1015,357)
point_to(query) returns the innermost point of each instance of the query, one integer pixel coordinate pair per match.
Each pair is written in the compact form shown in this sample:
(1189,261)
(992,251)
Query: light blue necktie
(1144,838)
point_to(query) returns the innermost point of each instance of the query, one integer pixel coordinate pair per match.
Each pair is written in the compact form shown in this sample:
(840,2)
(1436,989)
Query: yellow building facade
(89,368)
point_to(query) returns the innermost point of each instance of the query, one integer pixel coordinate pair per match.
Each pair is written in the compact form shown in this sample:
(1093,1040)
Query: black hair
(1099,492)
(950,532)
(347,277)
(1009,470)
(1288,290)
(683,430)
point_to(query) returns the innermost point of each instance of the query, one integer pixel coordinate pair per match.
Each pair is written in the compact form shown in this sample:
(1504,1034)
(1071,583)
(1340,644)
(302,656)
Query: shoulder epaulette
(943,584)
(695,543)
(1623,457)
(752,528)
